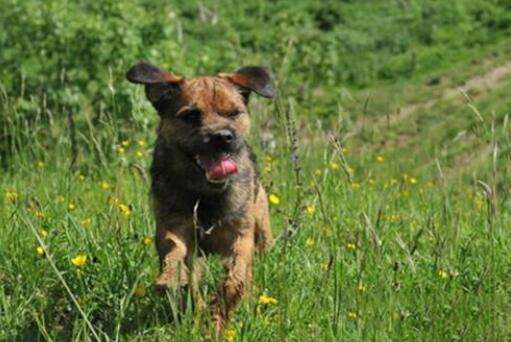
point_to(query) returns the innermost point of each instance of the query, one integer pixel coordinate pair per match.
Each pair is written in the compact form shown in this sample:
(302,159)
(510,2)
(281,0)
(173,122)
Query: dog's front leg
(238,279)
(173,247)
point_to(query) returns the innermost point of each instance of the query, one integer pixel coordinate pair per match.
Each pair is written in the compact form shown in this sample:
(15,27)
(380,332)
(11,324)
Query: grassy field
(390,189)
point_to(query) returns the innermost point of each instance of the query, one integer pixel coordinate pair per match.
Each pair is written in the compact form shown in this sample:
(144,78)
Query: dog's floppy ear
(253,78)
(157,82)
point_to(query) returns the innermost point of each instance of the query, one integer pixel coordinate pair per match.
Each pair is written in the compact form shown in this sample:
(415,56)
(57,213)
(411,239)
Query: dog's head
(204,117)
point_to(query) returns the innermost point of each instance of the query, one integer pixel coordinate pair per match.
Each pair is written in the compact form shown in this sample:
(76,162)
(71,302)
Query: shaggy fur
(196,216)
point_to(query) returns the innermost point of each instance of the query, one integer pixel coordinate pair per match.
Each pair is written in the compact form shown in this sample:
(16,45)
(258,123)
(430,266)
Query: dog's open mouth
(217,169)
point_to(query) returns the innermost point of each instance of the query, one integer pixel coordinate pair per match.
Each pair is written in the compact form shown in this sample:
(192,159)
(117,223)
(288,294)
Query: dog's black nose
(223,137)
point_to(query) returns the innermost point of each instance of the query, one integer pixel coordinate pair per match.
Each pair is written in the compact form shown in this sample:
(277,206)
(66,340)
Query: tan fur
(234,238)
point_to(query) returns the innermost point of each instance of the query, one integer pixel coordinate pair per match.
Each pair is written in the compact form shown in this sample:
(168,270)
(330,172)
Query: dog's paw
(162,284)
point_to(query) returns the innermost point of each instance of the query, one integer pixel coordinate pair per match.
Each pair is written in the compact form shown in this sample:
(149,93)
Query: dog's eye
(234,113)
(190,116)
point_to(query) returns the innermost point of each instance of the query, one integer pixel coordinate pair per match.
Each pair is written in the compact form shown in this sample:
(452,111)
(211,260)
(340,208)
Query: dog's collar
(196,223)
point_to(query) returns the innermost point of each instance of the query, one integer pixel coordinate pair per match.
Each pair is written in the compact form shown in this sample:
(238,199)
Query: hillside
(386,154)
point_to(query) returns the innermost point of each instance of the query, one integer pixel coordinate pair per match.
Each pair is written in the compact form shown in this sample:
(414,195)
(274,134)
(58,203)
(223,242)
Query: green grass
(411,246)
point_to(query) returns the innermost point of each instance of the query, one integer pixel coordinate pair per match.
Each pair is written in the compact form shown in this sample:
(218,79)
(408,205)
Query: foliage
(401,228)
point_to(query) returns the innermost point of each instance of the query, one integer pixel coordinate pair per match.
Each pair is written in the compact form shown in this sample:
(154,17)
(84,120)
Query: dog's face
(206,118)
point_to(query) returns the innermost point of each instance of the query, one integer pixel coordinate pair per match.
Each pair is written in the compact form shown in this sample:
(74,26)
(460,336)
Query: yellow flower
(40,251)
(317,172)
(351,247)
(230,335)
(79,260)
(11,196)
(352,315)
(371,181)
(141,143)
(267,300)
(120,149)
(334,166)
(124,209)
(355,185)
(114,200)
(412,180)
(43,232)
(274,199)
(268,159)
(361,288)
(71,206)
(86,222)
(125,143)
(324,266)
(148,240)
(81,177)
(443,274)
(267,169)
(139,154)
(309,242)
(139,291)
(40,164)
(310,209)
(380,159)
(104,185)
(39,214)
(345,150)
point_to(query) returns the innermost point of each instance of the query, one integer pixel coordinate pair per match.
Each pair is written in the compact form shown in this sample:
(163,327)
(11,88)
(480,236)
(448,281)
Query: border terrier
(207,197)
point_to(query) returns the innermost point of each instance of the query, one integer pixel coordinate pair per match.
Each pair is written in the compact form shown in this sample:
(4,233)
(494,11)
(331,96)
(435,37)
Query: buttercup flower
(351,246)
(124,209)
(309,242)
(148,240)
(230,335)
(443,274)
(334,166)
(11,196)
(86,222)
(310,209)
(40,251)
(380,159)
(40,164)
(104,185)
(352,315)
(267,300)
(79,260)
(274,199)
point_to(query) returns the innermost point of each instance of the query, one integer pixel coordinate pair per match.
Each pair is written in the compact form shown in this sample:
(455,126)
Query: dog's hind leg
(263,235)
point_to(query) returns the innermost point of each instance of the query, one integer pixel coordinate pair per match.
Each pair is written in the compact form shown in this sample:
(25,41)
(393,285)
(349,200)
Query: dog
(206,193)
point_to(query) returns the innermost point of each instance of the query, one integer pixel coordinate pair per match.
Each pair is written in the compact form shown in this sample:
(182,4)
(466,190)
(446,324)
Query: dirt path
(478,84)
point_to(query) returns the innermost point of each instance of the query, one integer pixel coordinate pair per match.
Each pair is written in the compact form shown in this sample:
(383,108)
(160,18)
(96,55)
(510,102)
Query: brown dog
(206,193)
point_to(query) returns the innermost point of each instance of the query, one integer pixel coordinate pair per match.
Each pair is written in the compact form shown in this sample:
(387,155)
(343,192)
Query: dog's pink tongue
(221,168)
